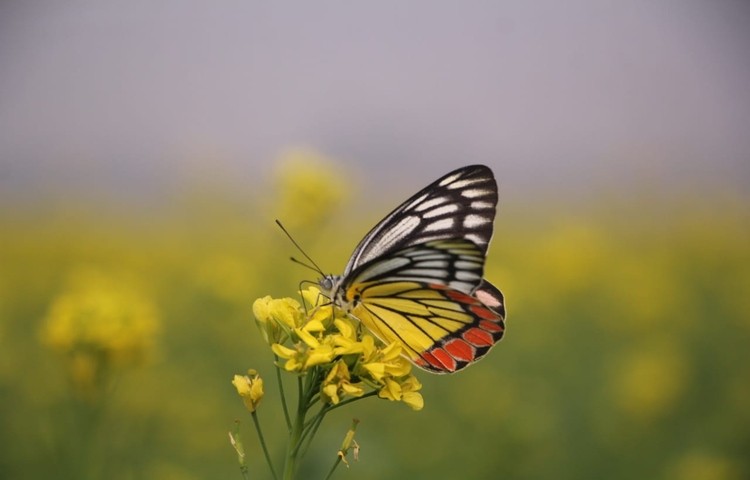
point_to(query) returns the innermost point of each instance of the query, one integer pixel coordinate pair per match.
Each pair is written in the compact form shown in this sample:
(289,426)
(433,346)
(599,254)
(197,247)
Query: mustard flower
(386,362)
(250,388)
(100,322)
(338,384)
(404,390)
(277,317)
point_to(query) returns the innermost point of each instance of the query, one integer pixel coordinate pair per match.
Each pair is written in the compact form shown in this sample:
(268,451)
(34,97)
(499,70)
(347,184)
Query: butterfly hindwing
(442,330)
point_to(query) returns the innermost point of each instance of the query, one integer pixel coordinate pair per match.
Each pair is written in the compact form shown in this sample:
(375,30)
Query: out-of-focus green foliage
(626,353)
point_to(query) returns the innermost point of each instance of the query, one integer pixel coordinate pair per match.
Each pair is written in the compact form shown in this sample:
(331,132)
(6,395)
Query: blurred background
(146,148)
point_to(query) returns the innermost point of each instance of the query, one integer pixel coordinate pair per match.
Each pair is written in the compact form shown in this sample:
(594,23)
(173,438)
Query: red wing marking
(491,326)
(478,337)
(460,350)
(459,296)
(482,312)
(443,360)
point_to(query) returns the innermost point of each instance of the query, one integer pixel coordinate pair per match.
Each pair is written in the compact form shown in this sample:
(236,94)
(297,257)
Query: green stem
(296,432)
(350,400)
(333,467)
(312,428)
(283,396)
(263,445)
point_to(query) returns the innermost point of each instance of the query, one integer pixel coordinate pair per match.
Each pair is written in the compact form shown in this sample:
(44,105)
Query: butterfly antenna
(314,265)
(300,262)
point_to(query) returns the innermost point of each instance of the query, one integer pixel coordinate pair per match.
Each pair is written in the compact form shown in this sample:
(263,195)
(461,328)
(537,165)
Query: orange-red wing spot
(429,361)
(491,326)
(460,297)
(483,312)
(444,360)
(478,337)
(460,350)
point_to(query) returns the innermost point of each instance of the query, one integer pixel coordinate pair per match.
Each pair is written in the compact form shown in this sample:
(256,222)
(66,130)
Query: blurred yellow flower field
(626,353)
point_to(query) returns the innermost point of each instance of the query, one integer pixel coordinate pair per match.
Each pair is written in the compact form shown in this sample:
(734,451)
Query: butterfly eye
(326,283)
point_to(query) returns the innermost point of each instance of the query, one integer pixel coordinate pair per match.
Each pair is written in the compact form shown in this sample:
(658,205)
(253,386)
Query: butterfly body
(417,276)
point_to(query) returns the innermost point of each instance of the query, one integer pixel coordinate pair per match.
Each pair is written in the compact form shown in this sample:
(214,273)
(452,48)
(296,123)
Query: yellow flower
(314,297)
(323,315)
(385,362)
(346,341)
(250,388)
(338,383)
(410,393)
(294,359)
(100,322)
(391,390)
(307,337)
(268,328)
(404,390)
(321,355)
(304,355)
(287,312)
(276,317)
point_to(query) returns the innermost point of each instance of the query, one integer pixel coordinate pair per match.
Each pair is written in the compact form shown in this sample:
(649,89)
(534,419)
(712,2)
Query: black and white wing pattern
(461,204)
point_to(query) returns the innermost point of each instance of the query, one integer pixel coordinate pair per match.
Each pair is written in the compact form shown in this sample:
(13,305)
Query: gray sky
(555,96)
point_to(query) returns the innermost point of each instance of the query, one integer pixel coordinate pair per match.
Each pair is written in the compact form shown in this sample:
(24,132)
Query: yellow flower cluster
(250,388)
(351,361)
(99,323)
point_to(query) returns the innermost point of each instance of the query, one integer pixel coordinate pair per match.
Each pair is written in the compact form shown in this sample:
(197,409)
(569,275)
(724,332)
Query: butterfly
(417,276)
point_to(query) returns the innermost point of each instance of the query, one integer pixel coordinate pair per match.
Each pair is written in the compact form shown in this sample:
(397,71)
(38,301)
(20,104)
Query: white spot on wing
(433,202)
(391,263)
(443,224)
(468,276)
(467,265)
(403,228)
(477,239)
(415,202)
(382,267)
(434,264)
(441,210)
(449,179)
(464,183)
(461,286)
(475,192)
(424,272)
(473,221)
(480,205)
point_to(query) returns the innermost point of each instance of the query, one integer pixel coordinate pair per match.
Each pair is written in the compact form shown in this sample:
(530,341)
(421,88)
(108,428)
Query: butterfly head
(330,286)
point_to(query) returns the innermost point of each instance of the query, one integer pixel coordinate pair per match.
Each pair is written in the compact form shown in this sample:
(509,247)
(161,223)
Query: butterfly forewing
(461,204)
